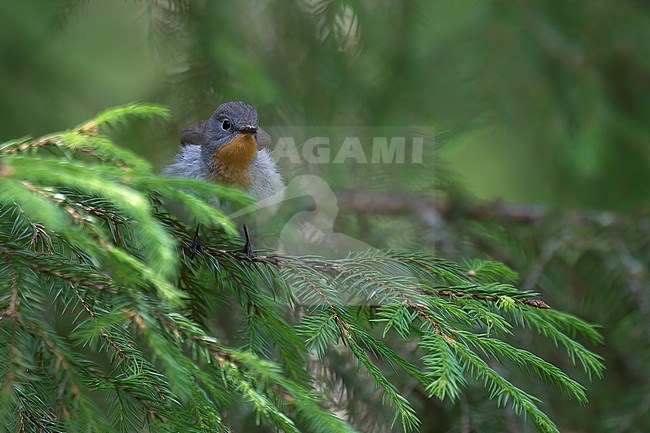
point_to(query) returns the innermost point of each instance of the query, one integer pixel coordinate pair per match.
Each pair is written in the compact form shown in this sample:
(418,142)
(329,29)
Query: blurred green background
(532,102)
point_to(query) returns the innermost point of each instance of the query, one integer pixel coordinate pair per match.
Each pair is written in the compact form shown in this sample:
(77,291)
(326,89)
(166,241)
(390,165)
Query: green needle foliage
(108,323)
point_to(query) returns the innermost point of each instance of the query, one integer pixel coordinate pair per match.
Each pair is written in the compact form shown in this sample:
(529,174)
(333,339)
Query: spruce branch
(101,299)
(447,209)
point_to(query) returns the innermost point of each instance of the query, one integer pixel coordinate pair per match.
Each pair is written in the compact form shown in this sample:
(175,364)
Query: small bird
(231,149)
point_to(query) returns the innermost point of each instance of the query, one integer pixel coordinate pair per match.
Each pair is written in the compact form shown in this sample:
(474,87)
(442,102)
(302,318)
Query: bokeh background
(543,105)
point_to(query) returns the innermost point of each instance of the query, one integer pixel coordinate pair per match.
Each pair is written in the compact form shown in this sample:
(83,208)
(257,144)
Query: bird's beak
(248,129)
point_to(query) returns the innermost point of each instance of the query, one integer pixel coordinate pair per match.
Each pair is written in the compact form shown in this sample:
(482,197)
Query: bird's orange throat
(231,161)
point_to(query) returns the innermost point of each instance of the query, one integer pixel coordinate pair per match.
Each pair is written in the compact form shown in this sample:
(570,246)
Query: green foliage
(592,262)
(544,102)
(108,324)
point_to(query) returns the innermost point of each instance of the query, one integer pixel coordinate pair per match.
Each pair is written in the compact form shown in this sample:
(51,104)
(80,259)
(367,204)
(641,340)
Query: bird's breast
(232,160)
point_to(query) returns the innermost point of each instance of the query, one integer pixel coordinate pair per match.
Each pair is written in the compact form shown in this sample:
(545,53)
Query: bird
(230,148)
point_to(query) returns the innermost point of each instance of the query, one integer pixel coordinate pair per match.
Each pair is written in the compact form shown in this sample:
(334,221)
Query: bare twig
(423,206)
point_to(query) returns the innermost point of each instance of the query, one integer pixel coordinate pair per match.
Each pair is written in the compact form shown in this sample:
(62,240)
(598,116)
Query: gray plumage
(198,157)
(193,135)
(266,181)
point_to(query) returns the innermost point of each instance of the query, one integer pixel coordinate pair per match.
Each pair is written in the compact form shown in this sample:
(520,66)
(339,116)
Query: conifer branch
(422,206)
(536,303)
(100,296)
(334,268)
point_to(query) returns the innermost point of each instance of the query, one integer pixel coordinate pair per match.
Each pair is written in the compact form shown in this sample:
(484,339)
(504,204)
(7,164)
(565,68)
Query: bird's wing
(263,139)
(193,134)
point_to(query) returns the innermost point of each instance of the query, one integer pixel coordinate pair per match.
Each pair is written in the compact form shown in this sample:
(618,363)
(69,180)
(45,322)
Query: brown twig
(537,303)
(54,270)
(424,207)
(14,302)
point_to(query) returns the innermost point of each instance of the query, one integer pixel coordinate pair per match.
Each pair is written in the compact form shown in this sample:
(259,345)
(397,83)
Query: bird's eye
(226,125)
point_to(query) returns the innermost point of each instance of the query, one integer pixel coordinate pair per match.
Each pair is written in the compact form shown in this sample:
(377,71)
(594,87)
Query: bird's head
(229,142)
